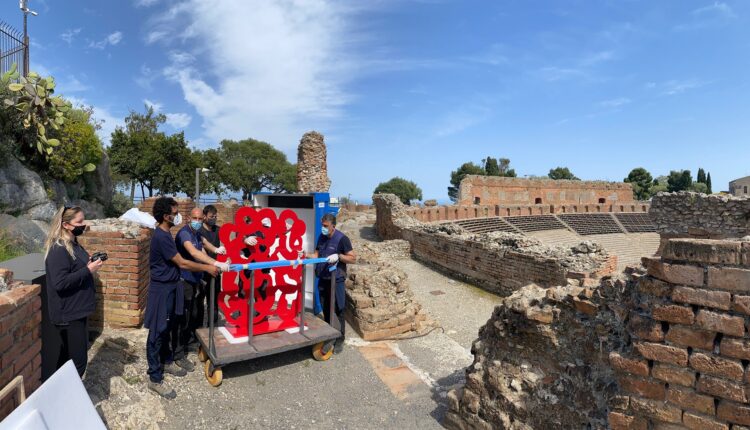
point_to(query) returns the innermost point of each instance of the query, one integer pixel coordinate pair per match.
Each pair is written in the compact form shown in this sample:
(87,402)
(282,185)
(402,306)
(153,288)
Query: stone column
(312,170)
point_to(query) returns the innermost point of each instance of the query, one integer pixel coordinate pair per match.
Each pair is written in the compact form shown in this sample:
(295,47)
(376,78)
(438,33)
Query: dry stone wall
(688,214)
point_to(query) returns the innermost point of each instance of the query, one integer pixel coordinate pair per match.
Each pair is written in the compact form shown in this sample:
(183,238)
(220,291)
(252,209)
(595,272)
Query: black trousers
(324,285)
(158,352)
(183,329)
(72,342)
(202,300)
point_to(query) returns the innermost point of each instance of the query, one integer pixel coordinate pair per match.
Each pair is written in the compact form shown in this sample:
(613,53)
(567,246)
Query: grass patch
(132,380)
(9,248)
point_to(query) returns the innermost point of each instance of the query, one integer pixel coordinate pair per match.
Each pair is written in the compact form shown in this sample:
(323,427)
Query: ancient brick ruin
(312,167)
(496,190)
(665,347)
(20,336)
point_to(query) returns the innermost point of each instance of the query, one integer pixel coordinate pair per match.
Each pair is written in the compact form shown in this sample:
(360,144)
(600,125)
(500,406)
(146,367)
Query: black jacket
(70,285)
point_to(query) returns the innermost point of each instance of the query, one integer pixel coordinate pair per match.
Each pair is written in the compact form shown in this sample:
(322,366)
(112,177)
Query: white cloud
(145,3)
(461,119)
(153,105)
(553,74)
(71,84)
(613,103)
(69,34)
(178,120)
(155,36)
(145,78)
(267,70)
(108,121)
(597,57)
(716,8)
(674,87)
(111,40)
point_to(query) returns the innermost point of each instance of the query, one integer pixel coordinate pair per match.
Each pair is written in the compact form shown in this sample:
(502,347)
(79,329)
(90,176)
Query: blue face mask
(196,225)
(324,231)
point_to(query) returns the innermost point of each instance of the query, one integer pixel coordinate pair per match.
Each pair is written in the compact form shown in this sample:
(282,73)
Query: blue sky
(415,88)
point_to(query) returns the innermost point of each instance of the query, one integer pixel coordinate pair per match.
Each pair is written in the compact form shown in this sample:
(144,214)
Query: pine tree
(701,176)
(708,184)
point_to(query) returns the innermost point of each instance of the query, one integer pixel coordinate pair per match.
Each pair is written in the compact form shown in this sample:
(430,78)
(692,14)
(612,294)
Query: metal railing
(12,49)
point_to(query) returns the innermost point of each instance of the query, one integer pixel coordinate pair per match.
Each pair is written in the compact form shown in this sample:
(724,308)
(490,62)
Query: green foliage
(170,165)
(701,177)
(459,174)
(699,187)
(405,190)
(491,168)
(9,248)
(39,110)
(250,165)
(562,173)
(709,190)
(679,180)
(120,204)
(642,182)
(80,149)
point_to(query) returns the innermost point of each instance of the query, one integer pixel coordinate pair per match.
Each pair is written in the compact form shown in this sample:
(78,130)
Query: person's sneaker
(321,316)
(338,347)
(186,364)
(174,369)
(162,389)
(327,347)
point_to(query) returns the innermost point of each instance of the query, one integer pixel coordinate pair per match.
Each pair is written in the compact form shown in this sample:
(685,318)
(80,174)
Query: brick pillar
(122,282)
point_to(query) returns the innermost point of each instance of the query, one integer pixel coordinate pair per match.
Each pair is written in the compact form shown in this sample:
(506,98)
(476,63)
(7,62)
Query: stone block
(703,251)
(679,274)
(713,365)
(645,328)
(674,375)
(701,422)
(620,421)
(644,387)
(687,398)
(662,353)
(722,323)
(628,365)
(733,412)
(694,296)
(729,278)
(741,304)
(721,388)
(657,410)
(735,348)
(688,336)
(674,314)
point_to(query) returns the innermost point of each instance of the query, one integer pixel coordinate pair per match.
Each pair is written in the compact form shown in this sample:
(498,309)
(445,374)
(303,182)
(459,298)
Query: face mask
(211,222)
(78,230)
(196,225)
(177,220)
(324,231)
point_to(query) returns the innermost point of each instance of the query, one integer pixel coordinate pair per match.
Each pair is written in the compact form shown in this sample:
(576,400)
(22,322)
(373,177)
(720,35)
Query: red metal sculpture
(277,291)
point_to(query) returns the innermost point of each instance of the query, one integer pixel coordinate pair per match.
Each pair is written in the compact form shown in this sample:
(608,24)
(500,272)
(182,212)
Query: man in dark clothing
(190,246)
(165,296)
(209,232)
(337,249)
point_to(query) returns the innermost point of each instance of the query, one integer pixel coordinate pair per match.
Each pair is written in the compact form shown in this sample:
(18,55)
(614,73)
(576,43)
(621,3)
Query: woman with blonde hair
(70,286)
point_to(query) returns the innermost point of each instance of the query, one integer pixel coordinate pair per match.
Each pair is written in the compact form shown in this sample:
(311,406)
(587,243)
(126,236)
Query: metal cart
(216,352)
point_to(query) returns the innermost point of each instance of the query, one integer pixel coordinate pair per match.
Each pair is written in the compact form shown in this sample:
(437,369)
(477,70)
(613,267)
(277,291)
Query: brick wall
(688,366)
(493,190)
(122,282)
(20,338)
(184,206)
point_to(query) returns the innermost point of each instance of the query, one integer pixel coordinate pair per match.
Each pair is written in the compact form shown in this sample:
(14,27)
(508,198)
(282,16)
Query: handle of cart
(251,304)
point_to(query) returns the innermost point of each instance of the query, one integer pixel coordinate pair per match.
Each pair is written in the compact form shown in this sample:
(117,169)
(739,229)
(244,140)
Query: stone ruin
(312,167)
(660,347)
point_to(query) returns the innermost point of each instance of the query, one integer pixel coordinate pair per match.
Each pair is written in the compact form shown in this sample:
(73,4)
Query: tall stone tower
(312,168)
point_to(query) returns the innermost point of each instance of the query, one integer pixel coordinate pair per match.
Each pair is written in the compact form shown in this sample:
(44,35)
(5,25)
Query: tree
(709,190)
(679,180)
(701,177)
(405,190)
(699,187)
(252,166)
(505,170)
(641,181)
(79,147)
(128,144)
(491,168)
(562,173)
(170,165)
(459,174)
(660,185)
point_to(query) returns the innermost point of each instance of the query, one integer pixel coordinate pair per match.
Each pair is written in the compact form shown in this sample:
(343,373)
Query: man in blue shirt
(165,296)
(190,246)
(337,249)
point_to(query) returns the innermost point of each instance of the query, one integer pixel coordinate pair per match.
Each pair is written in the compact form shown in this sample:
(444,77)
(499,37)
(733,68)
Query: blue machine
(310,208)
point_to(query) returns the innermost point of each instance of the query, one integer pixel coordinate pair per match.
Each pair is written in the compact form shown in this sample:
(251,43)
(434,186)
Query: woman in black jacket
(70,285)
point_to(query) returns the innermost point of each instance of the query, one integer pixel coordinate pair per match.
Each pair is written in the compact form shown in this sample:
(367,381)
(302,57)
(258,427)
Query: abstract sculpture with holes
(277,290)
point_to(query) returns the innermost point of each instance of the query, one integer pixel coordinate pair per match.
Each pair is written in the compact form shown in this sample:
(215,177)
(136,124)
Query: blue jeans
(158,350)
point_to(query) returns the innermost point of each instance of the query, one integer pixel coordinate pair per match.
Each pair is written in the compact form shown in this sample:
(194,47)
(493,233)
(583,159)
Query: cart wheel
(317,352)
(214,375)
(202,356)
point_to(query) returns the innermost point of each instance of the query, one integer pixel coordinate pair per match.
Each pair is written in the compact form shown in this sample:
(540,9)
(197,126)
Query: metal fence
(12,48)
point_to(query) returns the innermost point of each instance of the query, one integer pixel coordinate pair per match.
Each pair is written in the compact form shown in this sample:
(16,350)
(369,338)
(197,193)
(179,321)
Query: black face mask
(211,222)
(78,230)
